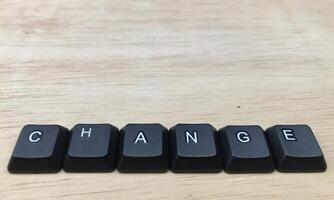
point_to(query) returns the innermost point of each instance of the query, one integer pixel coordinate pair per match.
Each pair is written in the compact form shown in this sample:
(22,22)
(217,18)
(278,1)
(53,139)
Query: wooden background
(119,61)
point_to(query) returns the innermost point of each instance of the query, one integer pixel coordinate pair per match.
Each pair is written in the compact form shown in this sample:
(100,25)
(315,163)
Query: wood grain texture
(218,61)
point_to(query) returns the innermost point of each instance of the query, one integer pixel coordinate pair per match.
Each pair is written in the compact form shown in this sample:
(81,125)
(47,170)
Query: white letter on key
(140,137)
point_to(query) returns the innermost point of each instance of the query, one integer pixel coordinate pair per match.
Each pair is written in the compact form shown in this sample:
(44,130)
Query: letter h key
(92,148)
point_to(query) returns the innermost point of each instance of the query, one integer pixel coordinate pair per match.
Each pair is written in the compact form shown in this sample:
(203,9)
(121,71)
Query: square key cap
(39,149)
(92,148)
(143,148)
(245,150)
(194,148)
(295,149)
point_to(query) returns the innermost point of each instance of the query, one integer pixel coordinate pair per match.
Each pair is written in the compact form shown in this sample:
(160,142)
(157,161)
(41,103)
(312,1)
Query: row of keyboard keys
(152,148)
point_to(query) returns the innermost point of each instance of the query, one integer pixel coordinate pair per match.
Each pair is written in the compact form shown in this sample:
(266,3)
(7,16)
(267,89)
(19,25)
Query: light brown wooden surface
(223,62)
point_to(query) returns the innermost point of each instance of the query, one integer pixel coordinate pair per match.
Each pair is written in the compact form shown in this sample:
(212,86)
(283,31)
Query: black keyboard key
(143,148)
(245,150)
(39,149)
(194,148)
(92,148)
(295,149)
